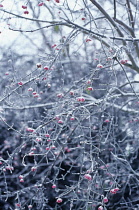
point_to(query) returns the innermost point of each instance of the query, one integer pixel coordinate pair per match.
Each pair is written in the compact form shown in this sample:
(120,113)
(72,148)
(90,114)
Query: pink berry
(1,5)
(7,73)
(99,66)
(47,148)
(67,149)
(24,7)
(71,93)
(30,129)
(57,117)
(53,147)
(21,176)
(30,89)
(33,148)
(109,58)
(53,45)
(60,121)
(53,186)
(38,65)
(89,82)
(26,12)
(88,176)
(11,168)
(80,99)
(30,206)
(57,1)
(83,18)
(59,200)
(100,208)
(21,180)
(34,93)
(31,153)
(107,120)
(18,204)
(0,163)
(88,40)
(20,83)
(60,95)
(72,118)
(40,4)
(105,200)
(89,88)
(33,168)
(123,61)
(47,135)
(38,139)
(46,68)
(114,191)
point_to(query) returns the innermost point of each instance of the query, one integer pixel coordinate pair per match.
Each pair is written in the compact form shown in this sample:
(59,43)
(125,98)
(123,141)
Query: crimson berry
(40,4)
(26,12)
(20,83)
(24,7)
(88,40)
(38,65)
(46,68)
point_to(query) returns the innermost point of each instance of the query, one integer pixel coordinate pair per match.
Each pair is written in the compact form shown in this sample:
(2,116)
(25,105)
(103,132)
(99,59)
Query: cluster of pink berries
(114,191)
(21,177)
(81,99)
